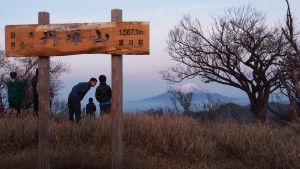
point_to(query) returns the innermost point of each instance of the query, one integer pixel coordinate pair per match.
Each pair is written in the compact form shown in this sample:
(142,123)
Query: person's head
(90,99)
(13,75)
(102,78)
(93,81)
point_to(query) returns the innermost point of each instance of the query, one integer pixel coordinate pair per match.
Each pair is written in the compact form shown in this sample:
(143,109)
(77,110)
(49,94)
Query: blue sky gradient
(140,72)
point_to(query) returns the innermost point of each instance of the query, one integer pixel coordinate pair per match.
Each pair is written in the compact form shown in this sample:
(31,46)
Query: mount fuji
(163,100)
(191,87)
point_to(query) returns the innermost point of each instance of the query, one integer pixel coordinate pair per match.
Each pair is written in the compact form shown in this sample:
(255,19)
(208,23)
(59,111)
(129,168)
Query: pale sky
(140,72)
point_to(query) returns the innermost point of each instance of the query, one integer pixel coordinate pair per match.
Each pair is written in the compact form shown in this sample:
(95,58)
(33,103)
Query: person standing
(15,91)
(90,108)
(103,95)
(34,82)
(76,95)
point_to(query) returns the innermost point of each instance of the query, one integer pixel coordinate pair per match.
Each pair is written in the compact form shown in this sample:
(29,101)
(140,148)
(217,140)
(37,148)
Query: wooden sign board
(129,38)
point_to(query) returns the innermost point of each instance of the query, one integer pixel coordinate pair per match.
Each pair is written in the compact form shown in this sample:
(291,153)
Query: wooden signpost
(45,40)
(117,99)
(44,105)
(130,38)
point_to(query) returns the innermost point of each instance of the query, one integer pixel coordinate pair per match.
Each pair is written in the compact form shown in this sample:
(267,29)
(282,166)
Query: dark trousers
(16,106)
(74,107)
(105,109)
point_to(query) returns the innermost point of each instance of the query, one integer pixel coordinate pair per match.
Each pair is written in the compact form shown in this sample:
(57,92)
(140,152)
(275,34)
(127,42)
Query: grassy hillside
(152,142)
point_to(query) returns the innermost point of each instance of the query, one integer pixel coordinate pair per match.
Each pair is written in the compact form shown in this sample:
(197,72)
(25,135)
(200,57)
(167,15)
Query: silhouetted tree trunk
(290,70)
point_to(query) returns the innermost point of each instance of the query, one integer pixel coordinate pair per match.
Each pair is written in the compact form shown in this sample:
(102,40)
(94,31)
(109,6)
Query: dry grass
(152,142)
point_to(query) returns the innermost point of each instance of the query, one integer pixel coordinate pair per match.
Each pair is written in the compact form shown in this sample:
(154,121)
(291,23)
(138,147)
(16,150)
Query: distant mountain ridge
(232,111)
(163,100)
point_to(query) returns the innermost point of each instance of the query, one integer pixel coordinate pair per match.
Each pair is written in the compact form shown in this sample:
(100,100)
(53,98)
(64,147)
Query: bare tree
(26,67)
(212,104)
(58,68)
(290,70)
(209,108)
(214,107)
(184,99)
(240,50)
(3,78)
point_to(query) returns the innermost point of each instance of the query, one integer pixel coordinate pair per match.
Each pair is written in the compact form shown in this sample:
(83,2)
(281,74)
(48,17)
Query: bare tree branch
(239,51)
(26,67)
(290,66)
(184,99)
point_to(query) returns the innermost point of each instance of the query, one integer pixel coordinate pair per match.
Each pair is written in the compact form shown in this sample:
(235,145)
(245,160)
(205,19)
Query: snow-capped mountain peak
(191,87)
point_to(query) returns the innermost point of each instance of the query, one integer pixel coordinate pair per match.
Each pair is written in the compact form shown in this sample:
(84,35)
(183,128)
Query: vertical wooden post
(117,102)
(44,103)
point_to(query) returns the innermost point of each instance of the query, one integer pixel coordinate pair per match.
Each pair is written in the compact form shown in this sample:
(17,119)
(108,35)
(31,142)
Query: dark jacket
(34,82)
(90,108)
(15,90)
(103,93)
(80,90)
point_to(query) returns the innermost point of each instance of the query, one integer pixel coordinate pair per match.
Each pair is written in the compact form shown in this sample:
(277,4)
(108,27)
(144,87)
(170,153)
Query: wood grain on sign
(129,38)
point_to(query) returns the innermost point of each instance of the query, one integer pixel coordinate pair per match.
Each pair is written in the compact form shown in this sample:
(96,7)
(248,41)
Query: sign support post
(117,104)
(45,40)
(44,102)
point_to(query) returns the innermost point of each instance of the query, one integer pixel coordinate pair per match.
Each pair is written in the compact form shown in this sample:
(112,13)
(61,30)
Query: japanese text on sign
(130,38)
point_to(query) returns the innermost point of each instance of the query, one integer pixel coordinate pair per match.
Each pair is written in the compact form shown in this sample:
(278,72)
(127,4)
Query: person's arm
(86,107)
(94,108)
(97,94)
(34,82)
(81,93)
(110,93)
(84,89)
(23,82)
(37,88)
